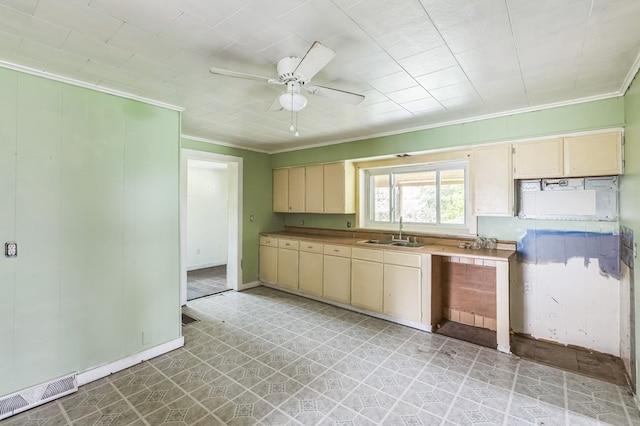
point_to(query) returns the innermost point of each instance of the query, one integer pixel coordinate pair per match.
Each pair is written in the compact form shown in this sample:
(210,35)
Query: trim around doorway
(234,237)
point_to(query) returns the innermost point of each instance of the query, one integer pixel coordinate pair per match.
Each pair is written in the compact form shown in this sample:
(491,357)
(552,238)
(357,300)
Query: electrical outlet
(348,224)
(11,249)
(527,288)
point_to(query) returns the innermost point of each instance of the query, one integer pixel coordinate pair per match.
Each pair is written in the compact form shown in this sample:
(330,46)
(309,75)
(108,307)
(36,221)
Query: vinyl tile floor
(206,281)
(265,357)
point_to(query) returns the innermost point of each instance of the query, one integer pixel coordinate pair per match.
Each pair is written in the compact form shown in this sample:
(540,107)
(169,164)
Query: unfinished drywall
(566,288)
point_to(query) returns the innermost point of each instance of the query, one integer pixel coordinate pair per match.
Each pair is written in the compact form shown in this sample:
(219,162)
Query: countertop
(433,249)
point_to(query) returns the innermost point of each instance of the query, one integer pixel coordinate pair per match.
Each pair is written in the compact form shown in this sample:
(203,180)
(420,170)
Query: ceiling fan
(296,73)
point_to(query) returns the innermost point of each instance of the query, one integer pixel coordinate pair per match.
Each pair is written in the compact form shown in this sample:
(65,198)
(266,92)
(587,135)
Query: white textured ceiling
(418,63)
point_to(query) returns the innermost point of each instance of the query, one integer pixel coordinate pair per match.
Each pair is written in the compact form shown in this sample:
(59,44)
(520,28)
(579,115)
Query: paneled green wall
(256,200)
(630,185)
(90,192)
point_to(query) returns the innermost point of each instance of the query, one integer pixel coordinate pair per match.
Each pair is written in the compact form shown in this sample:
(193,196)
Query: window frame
(367,198)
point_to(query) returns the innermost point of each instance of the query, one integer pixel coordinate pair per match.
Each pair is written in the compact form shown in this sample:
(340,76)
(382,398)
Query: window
(425,196)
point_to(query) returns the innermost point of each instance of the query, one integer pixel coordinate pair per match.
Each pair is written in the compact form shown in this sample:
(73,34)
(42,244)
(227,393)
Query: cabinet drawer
(311,247)
(367,254)
(268,241)
(288,244)
(403,259)
(341,251)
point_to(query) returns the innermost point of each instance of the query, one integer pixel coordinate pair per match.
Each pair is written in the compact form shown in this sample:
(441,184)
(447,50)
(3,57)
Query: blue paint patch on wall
(550,246)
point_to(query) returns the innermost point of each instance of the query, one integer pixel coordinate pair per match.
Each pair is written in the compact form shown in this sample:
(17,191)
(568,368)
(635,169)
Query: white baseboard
(246,286)
(505,349)
(93,374)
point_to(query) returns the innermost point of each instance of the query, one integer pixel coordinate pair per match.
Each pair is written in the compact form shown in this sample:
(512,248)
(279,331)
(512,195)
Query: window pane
(381,201)
(452,196)
(416,194)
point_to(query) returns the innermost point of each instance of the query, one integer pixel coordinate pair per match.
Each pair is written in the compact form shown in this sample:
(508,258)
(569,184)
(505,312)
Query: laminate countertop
(435,249)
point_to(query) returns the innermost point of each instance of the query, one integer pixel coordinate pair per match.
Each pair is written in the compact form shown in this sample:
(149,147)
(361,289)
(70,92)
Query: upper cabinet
(297,190)
(597,154)
(339,188)
(593,155)
(281,190)
(289,190)
(314,189)
(321,188)
(492,181)
(538,158)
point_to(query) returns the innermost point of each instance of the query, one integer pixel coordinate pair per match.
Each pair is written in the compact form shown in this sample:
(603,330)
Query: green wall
(630,184)
(90,192)
(256,200)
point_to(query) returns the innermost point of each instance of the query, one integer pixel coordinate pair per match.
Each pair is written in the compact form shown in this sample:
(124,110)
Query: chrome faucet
(400,234)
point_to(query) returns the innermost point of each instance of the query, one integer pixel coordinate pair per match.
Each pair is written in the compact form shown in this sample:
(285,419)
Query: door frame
(234,237)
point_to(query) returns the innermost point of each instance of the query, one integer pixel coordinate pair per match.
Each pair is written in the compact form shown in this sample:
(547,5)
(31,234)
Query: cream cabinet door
(288,268)
(281,190)
(336,280)
(269,264)
(314,189)
(366,284)
(492,180)
(538,159)
(402,296)
(339,188)
(310,273)
(296,189)
(593,155)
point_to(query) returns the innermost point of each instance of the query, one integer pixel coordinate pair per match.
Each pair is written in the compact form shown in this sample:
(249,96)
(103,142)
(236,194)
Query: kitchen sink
(397,243)
(383,242)
(407,244)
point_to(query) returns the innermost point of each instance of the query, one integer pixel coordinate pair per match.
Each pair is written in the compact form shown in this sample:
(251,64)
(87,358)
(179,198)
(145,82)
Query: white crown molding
(630,75)
(230,145)
(84,84)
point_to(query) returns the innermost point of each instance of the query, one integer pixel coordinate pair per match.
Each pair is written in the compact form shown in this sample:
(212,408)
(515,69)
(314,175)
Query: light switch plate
(11,249)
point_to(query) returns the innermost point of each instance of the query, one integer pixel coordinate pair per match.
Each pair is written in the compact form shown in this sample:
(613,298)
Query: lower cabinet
(402,285)
(269,260)
(310,268)
(384,281)
(367,279)
(336,279)
(288,263)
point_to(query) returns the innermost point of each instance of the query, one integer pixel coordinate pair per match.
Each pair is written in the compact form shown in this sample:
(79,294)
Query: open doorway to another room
(207,228)
(210,224)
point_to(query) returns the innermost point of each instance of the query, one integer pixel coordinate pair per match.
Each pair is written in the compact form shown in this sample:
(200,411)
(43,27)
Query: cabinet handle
(336,250)
(309,247)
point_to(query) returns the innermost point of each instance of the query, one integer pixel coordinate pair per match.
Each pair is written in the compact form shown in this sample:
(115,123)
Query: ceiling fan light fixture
(293,101)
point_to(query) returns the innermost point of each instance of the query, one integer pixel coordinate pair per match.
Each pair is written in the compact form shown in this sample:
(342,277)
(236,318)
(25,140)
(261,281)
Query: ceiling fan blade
(275,106)
(238,74)
(315,59)
(334,94)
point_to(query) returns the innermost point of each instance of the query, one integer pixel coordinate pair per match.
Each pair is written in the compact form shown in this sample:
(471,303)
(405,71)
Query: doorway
(210,253)
(207,227)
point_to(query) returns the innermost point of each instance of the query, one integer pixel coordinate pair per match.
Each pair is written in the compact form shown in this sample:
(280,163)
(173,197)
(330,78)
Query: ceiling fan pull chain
(292,128)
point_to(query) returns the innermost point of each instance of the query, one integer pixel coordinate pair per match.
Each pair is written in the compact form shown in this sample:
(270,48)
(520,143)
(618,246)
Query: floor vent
(186,319)
(37,395)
